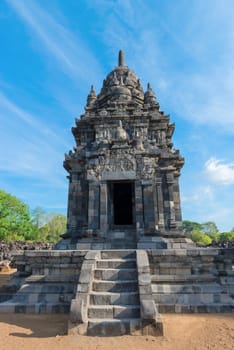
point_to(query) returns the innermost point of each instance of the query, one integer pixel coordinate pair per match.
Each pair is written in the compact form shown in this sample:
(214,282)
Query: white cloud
(203,203)
(199,196)
(220,172)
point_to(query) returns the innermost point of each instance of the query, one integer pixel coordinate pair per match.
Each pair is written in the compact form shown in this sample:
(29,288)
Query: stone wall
(193,280)
(45,281)
(48,262)
(7,248)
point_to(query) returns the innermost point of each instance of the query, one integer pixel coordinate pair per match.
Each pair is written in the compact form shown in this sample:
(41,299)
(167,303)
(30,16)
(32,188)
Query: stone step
(116,311)
(122,244)
(115,286)
(50,265)
(183,268)
(196,308)
(113,327)
(115,274)
(41,298)
(46,269)
(192,298)
(46,288)
(116,263)
(189,288)
(59,278)
(118,254)
(107,298)
(205,278)
(35,308)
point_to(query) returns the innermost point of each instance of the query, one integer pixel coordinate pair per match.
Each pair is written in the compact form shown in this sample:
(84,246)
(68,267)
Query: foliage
(205,233)
(189,226)
(38,217)
(226,236)
(200,238)
(215,236)
(15,223)
(54,227)
(209,228)
(48,225)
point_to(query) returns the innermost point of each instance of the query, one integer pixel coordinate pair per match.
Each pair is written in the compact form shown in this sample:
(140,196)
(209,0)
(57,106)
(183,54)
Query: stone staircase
(114,296)
(114,307)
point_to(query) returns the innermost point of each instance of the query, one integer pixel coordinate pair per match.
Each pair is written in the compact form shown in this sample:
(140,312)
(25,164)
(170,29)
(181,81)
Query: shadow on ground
(36,326)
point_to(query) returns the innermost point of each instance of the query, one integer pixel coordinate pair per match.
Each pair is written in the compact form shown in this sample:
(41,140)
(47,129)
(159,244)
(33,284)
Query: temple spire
(91,97)
(121,59)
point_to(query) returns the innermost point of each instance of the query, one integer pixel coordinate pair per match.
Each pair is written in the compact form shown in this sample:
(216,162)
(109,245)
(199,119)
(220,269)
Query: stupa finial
(121,59)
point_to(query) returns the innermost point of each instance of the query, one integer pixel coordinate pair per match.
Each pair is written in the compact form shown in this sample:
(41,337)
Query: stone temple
(124,259)
(123,172)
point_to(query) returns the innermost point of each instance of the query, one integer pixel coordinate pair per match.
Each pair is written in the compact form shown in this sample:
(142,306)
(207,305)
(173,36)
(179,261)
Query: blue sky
(52,51)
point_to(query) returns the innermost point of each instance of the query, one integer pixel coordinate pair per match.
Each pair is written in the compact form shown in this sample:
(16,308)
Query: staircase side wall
(192,280)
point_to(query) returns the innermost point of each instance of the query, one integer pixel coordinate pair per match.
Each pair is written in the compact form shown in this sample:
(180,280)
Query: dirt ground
(182,332)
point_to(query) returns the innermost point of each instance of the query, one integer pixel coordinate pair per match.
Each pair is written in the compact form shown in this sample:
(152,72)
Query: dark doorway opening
(123,203)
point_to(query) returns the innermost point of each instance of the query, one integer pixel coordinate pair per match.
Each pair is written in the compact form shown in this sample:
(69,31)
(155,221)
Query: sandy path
(182,332)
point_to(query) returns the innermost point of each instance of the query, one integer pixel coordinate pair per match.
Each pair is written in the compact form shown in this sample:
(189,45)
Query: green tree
(38,217)
(54,227)
(208,231)
(226,236)
(15,223)
(189,226)
(200,238)
(209,227)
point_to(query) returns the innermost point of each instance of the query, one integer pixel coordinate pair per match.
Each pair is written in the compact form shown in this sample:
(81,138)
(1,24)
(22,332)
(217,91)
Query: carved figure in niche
(114,80)
(101,160)
(147,171)
(129,81)
(126,164)
(139,144)
(161,136)
(121,134)
(94,171)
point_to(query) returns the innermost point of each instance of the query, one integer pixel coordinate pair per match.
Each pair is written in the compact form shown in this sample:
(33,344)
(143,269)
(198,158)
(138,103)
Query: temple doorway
(122,203)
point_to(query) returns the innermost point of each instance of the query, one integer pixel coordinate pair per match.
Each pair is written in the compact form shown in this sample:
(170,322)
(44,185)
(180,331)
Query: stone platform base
(106,290)
(165,243)
(123,240)
(83,244)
